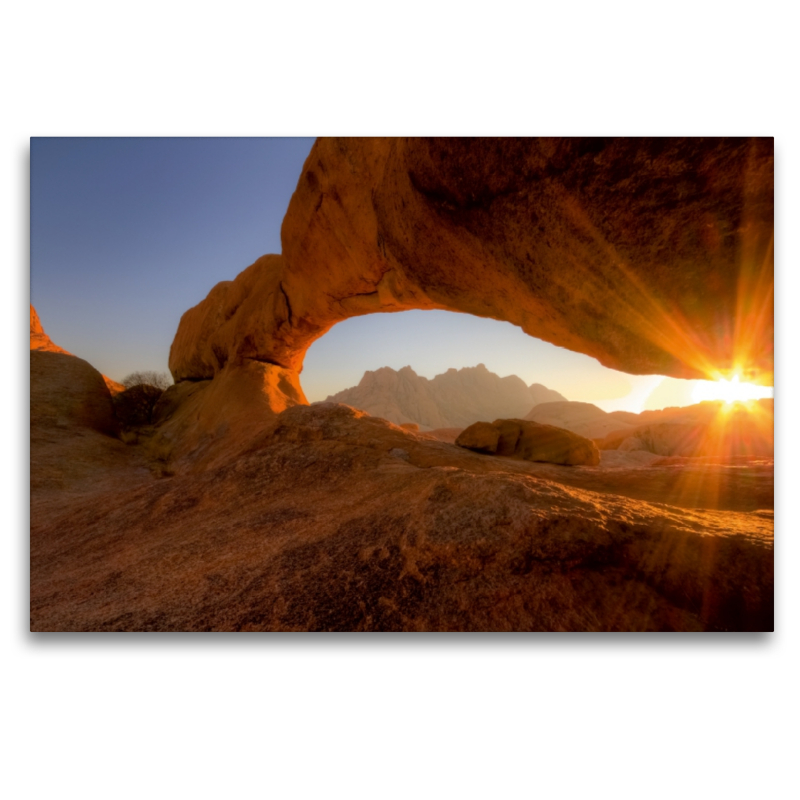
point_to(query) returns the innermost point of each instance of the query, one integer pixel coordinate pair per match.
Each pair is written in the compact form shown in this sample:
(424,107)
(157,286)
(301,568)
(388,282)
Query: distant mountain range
(458,398)
(584,419)
(454,399)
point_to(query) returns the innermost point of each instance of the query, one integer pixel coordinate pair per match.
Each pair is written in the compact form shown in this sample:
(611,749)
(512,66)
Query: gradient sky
(127,234)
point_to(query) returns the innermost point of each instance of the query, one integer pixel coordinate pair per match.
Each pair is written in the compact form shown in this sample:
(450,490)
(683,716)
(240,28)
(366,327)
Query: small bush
(134,406)
(161,380)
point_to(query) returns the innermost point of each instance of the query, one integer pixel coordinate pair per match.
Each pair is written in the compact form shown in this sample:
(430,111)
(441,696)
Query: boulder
(480,436)
(74,433)
(529,441)
(68,392)
(113,387)
(509,432)
(555,445)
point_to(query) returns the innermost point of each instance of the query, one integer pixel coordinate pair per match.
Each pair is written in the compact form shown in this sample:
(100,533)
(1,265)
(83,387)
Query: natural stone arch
(651,255)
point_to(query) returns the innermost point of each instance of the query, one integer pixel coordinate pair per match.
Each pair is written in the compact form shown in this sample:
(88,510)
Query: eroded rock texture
(529,441)
(324,518)
(651,255)
(244,508)
(341,521)
(74,431)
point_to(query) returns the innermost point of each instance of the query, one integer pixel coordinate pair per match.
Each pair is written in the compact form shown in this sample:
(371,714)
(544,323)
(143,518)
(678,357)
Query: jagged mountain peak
(453,399)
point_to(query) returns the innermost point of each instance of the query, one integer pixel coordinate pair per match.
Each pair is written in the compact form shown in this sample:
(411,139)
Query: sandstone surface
(651,255)
(69,392)
(454,399)
(529,441)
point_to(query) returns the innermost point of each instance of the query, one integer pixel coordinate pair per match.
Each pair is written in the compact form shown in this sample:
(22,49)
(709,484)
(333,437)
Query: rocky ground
(330,519)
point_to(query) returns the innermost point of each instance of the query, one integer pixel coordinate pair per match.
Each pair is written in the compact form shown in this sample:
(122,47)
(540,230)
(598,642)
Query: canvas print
(402,384)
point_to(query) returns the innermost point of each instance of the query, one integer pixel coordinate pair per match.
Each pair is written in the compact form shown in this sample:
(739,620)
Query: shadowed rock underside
(651,255)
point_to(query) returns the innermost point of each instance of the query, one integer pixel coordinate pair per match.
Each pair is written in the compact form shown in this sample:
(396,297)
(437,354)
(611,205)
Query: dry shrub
(161,380)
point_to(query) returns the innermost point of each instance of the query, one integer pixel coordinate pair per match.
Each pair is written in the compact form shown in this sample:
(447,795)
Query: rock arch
(651,255)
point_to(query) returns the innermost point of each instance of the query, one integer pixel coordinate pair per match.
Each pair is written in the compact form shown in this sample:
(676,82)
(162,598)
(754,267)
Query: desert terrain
(227,502)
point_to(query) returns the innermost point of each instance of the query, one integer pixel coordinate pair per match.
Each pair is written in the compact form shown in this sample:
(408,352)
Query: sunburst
(730,391)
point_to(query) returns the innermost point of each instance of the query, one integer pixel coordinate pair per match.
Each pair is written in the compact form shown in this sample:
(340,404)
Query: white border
(143,716)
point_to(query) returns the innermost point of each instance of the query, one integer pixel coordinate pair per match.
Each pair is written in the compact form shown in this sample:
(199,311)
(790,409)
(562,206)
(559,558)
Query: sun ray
(729,391)
(719,351)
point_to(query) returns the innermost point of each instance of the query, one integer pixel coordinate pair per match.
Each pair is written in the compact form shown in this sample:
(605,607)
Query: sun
(729,391)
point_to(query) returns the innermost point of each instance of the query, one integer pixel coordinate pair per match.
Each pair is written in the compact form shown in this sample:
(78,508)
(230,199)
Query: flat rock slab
(530,441)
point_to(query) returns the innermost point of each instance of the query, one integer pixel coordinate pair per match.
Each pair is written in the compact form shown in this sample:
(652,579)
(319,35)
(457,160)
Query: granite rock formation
(529,441)
(482,437)
(243,508)
(324,518)
(706,429)
(709,429)
(454,399)
(40,341)
(75,445)
(651,255)
(335,520)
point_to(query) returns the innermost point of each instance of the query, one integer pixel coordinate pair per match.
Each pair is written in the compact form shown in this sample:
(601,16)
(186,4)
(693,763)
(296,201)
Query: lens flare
(729,391)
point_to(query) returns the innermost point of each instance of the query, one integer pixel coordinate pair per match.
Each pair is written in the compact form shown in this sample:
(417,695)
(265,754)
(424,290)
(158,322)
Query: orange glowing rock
(529,441)
(651,255)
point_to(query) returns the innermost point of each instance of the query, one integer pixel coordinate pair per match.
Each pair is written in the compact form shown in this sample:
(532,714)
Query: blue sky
(128,233)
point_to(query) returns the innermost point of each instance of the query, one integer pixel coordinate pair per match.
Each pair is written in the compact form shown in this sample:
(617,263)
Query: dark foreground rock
(334,520)
(529,441)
